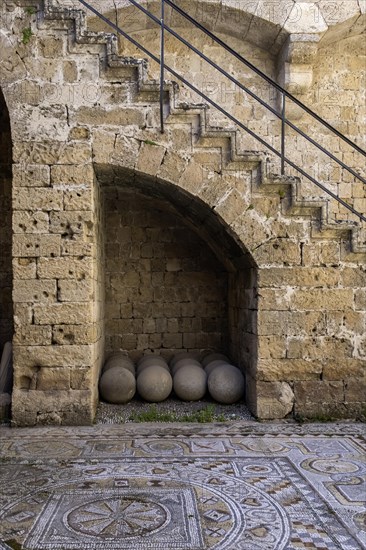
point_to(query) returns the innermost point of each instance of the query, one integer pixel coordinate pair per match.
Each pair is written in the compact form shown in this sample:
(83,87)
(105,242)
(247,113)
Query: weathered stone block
(299,277)
(53,356)
(318,349)
(69,290)
(51,152)
(72,174)
(30,222)
(355,390)
(336,299)
(67,334)
(81,199)
(360,299)
(278,252)
(50,378)
(318,392)
(35,335)
(98,116)
(274,400)
(24,268)
(346,369)
(36,245)
(288,369)
(150,158)
(70,71)
(69,407)
(291,323)
(81,378)
(38,199)
(79,133)
(64,268)
(76,313)
(51,46)
(31,175)
(34,290)
(23,314)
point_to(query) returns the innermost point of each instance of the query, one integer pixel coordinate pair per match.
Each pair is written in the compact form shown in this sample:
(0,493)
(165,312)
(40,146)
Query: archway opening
(6,306)
(176,279)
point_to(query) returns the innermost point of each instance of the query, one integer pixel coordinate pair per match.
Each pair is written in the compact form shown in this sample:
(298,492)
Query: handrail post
(283,129)
(162,45)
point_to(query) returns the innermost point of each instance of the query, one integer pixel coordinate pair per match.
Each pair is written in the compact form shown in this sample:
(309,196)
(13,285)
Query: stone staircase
(286,190)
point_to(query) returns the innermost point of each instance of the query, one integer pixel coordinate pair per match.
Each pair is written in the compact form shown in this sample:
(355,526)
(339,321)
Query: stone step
(196,119)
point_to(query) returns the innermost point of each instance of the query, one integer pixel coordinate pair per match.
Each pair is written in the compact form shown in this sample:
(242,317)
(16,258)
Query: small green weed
(149,142)
(204,415)
(320,417)
(153,415)
(281,193)
(26,35)
(30,10)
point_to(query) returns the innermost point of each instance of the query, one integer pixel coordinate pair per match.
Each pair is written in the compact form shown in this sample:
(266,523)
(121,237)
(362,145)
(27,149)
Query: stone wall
(165,289)
(82,120)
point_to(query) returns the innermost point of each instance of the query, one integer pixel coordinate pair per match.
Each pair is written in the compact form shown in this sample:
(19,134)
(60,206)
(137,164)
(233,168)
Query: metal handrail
(281,154)
(252,94)
(262,75)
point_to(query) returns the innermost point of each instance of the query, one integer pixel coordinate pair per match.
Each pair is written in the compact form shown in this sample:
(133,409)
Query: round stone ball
(182,363)
(226,384)
(213,357)
(154,384)
(117,385)
(213,364)
(183,355)
(190,383)
(121,354)
(150,356)
(121,361)
(152,362)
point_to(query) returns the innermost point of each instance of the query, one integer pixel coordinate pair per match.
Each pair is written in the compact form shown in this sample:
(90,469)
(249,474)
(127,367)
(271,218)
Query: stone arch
(267,25)
(259,25)
(233,267)
(6,307)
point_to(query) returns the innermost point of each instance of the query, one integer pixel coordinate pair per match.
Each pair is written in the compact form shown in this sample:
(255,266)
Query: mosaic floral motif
(116,517)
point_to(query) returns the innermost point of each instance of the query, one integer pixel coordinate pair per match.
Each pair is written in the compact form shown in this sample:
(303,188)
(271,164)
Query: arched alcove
(6,308)
(176,278)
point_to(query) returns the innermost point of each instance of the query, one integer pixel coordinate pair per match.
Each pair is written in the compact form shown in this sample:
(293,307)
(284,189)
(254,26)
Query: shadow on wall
(6,306)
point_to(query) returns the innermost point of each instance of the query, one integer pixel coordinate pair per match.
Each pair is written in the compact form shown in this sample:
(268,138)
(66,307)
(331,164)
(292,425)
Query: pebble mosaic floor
(238,486)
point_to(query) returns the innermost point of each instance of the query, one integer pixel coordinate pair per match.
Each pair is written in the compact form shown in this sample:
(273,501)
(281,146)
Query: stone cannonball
(213,357)
(226,384)
(117,385)
(183,362)
(213,364)
(150,356)
(154,384)
(121,361)
(190,383)
(122,354)
(183,355)
(152,362)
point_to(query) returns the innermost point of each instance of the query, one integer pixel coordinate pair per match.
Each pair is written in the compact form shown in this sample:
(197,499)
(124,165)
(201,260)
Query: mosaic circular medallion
(265,446)
(117,517)
(329,466)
